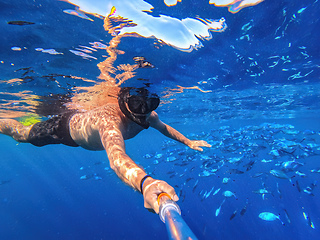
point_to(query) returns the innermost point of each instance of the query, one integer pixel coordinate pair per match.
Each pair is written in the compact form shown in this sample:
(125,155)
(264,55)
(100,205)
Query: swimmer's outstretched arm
(128,170)
(172,133)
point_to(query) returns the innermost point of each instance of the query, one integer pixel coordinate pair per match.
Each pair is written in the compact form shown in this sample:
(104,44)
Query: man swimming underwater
(106,128)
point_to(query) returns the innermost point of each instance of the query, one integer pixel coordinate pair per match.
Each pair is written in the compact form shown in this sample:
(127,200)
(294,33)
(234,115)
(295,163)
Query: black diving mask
(137,103)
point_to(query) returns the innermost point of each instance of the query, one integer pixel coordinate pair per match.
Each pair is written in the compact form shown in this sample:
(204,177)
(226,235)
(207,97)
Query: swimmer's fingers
(205,144)
(197,144)
(152,191)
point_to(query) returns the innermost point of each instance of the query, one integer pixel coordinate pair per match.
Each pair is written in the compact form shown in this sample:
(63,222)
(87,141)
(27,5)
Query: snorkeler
(106,128)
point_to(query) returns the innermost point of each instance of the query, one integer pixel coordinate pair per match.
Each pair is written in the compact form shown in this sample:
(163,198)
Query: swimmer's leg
(14,129)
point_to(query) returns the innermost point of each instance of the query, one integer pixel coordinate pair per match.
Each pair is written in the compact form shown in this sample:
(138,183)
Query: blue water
(264,83)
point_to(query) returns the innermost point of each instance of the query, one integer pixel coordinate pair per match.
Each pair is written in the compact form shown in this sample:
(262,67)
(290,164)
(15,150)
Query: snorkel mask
(137,103)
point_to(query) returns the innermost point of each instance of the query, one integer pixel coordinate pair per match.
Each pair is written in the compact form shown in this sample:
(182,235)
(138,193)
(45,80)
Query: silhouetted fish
(298,186)
(4,182)
(233,214)
(257,175)
(287,215)
(195,185)
(236,171)
(279,191)
(249,165)
(188,180)
(244,209)
(20,23)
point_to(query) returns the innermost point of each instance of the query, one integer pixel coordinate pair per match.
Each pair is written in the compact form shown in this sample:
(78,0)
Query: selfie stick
(170,214)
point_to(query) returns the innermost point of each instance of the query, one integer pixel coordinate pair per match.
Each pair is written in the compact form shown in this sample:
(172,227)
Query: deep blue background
(45,198)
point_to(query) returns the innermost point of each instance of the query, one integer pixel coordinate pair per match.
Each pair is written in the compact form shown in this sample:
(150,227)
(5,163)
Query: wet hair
(136,103)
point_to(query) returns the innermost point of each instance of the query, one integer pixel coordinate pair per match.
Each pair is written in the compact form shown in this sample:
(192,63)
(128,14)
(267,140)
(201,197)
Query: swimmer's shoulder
(108,112)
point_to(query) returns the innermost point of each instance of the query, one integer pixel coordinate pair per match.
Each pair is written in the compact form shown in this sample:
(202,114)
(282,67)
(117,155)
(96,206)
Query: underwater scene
(241,75)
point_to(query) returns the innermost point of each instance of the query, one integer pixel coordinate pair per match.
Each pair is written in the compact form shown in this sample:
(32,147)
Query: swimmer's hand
(197,144)
(152,188)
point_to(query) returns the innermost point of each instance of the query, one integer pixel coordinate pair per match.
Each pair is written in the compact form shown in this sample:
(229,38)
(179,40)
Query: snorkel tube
(170,214)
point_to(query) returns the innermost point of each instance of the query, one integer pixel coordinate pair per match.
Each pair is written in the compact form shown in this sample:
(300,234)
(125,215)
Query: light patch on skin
(117,162)
(148,186)
(133,172)
(111,133)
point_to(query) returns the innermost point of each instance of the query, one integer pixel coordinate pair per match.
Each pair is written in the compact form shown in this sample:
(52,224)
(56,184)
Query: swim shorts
(52,131)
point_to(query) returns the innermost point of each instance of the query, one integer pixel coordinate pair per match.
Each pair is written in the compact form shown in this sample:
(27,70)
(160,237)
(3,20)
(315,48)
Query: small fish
(301,10)
(182,164)
(173,175)
(219,208)
(262,191)
(301,174)
(266,161)
(96,177)
(279,191)
(208,194)
(236,171)
(147,156)
(257,175)
(249,165)
(274,153)
(229,194)
(216,191)
(225,180)
(233,215)
(188,180)
(315,170)
(244,209)
(287,215)
(180,193)
(280,174)
(268,216)
(309,132)
(182,196)
(235,160)
(195,186)
(202,194)
(298,186)
(290,165)
(309,189)
(306,217)
(85,177)
(20,23)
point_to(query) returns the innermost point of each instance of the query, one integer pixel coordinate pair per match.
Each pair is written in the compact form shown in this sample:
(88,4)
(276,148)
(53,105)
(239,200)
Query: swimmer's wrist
(188,142)
(146,182)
